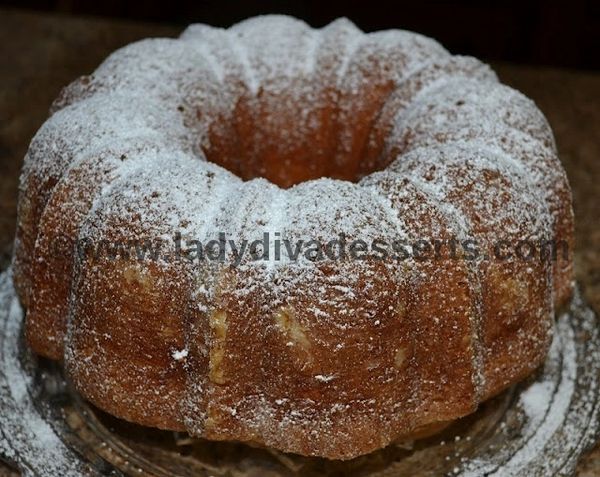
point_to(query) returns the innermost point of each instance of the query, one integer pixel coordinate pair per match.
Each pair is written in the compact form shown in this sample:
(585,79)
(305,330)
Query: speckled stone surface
(39,54)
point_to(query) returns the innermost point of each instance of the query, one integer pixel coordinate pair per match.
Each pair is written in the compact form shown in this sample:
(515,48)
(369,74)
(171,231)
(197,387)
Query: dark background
(532,32)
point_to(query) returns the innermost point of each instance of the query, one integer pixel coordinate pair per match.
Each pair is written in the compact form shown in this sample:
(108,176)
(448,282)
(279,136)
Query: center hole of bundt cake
(289,137)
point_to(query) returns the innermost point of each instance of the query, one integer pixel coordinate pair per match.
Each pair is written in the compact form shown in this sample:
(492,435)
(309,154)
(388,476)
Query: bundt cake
(311,135)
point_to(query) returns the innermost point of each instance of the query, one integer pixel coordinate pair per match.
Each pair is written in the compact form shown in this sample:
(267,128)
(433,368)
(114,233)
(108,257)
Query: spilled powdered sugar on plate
(550,421)
(26,439)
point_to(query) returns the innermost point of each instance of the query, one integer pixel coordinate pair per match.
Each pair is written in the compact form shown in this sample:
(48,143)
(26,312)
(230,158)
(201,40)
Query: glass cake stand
(538,427)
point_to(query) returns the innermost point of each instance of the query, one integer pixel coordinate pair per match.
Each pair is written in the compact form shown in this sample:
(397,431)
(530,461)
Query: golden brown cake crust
(271,126)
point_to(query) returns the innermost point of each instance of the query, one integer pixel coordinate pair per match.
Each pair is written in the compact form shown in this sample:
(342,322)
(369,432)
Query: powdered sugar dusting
(535,400)
(271,126)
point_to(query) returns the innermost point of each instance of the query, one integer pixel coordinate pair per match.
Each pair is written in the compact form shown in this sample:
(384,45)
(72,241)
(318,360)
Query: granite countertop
(41,53)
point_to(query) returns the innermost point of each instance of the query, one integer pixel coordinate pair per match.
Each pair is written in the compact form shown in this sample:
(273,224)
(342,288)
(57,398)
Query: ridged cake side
(332,358)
